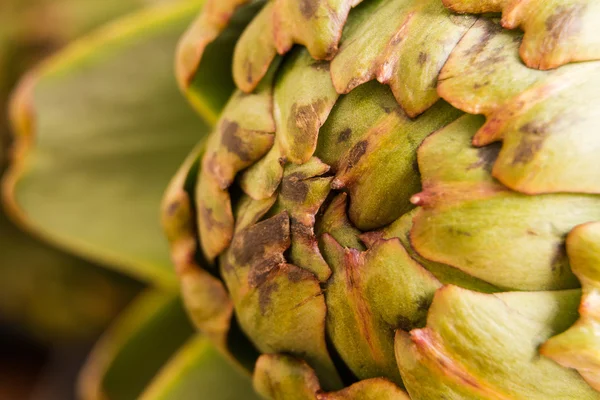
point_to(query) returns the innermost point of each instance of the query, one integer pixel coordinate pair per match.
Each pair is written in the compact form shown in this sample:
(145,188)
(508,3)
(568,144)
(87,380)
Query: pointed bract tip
(418,199)
(337,184)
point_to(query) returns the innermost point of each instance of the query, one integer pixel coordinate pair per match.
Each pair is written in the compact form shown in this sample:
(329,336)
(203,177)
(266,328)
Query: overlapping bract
(456,222)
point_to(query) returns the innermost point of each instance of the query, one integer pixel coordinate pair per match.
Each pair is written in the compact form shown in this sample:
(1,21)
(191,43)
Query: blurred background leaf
(102,129)
(52,304)
(135,347)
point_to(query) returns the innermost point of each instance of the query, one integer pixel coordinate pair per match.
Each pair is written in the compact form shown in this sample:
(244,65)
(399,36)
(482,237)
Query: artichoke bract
(398,195)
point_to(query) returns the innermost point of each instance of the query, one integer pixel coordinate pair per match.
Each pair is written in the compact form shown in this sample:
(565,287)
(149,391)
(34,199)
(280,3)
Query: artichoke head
(387,199)
(397,194)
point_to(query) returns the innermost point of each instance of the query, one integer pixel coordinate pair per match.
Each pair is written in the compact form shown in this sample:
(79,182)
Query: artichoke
(389,199)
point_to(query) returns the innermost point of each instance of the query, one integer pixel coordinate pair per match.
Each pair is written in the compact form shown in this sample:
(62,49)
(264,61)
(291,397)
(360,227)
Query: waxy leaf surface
(132,351)
(99,137)
(199,371)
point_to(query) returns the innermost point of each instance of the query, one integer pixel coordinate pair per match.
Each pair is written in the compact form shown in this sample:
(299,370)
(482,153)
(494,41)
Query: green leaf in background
(54,296)
(32,29)
(101,130)
(143,338)
(200,371)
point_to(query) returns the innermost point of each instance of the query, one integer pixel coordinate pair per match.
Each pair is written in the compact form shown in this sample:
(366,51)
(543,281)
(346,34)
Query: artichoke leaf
(316,24)
(303,191)
(242,136)
(304,97)
(262,179)
(199,371)
(485,346)
(544,118)
(205,297)
(467,217)
(444,273)
(281,377)
(378,192)
(208,25)
(343,130)
(579,347)
(254,51)
(206,46)
(98,139)
(132,351)
(407,51)
(279,306)
(557,32)
(335,222)
(369,296)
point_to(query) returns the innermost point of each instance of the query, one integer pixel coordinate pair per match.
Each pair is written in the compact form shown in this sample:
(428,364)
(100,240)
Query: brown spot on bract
(265,294)
(458,232)
(301,230)
(305,118)
(531,142)
(566,21)
(356,153)
(297,274)
(212,164)
(294,190)
(331,50)
(250,247)
(487,156)
(352,83)
(297,176)
(172,208)
(344,135)
(534,128)
(260,271)
(248,67)
(491,29)
(308,8)
(207,218)
(225,265)
(389,110)
(560,260)
(496,59)
(423,58)
(231,141)
(320,65)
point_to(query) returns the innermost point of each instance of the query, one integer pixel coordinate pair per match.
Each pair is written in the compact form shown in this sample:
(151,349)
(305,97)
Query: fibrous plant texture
(399,193)
(397,199)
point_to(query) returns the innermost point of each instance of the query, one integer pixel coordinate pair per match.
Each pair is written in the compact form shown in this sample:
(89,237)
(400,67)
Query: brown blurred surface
(21,363)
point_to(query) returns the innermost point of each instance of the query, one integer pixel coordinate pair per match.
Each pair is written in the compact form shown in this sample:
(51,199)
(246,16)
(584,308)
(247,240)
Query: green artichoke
(397,198)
